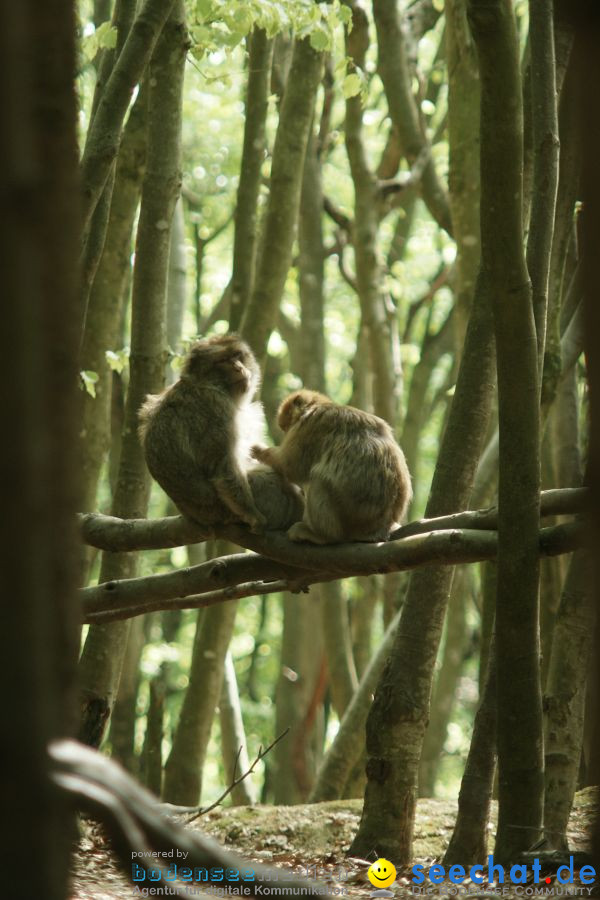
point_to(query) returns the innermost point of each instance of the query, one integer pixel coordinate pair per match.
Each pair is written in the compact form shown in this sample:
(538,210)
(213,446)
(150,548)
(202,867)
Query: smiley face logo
(382,873)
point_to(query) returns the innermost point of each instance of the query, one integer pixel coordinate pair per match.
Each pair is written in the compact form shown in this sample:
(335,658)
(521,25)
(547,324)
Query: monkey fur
(356,482)
(197,436)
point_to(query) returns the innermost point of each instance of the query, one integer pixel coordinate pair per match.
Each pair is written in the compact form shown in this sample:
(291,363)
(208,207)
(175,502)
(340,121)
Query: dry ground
(297,837)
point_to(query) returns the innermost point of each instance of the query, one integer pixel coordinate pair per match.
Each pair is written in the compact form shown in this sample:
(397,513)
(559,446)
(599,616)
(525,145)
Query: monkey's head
(226,362)
(296,405)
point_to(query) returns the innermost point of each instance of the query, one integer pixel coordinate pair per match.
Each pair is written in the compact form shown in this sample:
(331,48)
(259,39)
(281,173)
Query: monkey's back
(360,471)
(187,432)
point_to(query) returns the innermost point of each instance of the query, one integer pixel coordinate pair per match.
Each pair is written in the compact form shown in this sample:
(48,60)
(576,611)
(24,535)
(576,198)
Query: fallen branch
(137,824)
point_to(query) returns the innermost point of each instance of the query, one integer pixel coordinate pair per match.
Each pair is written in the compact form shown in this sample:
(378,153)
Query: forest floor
(309,839)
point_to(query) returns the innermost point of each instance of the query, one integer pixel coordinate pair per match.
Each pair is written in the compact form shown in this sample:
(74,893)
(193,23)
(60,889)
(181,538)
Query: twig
(259,757)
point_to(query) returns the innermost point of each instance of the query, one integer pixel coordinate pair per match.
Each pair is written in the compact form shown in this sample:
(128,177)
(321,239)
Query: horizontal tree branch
(299,565)
(195,601)
(117,535)
(556,502)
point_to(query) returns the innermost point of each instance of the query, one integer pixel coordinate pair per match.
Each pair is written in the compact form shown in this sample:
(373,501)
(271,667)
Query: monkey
(197,436)
(356,482)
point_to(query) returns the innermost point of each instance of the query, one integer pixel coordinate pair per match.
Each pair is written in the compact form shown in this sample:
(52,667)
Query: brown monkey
(197,436)
(356,482)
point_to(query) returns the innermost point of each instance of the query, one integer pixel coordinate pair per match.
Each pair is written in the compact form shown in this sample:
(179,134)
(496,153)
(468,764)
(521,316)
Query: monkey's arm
(233,489)
(270,456)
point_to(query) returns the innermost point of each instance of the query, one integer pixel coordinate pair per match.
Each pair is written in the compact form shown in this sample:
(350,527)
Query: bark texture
(520,752)
(105,645)
(295,119)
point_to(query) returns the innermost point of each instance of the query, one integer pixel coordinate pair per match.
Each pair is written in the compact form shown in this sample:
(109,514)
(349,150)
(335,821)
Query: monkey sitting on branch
(355,478)
(197,436)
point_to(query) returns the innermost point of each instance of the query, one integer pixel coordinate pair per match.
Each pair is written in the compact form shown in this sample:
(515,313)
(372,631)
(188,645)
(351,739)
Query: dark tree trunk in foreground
(520,753)
(39,239)
(105,645)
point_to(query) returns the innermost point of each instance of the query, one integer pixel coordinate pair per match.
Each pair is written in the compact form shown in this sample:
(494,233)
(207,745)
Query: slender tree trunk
(363,614)
(393,68)
(463,174)
(384,355)
(564,699)
(123,15)
(338,645)
(545,160)
(103,321)
(104,134)
(151,758)
(520,739)
(102,656)
(124,714)
(444,692)
(311,271)
(398,718)
(177,279)
(233,736)
(253,154)
(295,119)
(184,767)
(468,843)
(345,751)
(297,700)
(399,715)
(214,628)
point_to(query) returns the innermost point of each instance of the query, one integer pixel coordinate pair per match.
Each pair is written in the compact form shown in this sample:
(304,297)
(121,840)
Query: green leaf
(345,14)
(351,85)
(116,361)
(243,20)
(89,380)
(439,5)
(106,36)
(320,39)
(204,9)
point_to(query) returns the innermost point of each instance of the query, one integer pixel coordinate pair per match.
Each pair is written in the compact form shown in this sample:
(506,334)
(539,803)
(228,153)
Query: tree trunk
(399,715)
(102,656)
(383,349)
(295,119)
(520,739)
(151,758)
(345,751)
(253,154)
(233,737)
(104,134)
(545,161)
(468,843)
(564,699)
(39,241)
(392,66)
(298,700)
(103,325)
(444,693)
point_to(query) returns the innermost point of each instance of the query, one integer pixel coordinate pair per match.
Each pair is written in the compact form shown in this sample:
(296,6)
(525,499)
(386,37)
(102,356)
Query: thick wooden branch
(137,824)
(111,533)
(296,566)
